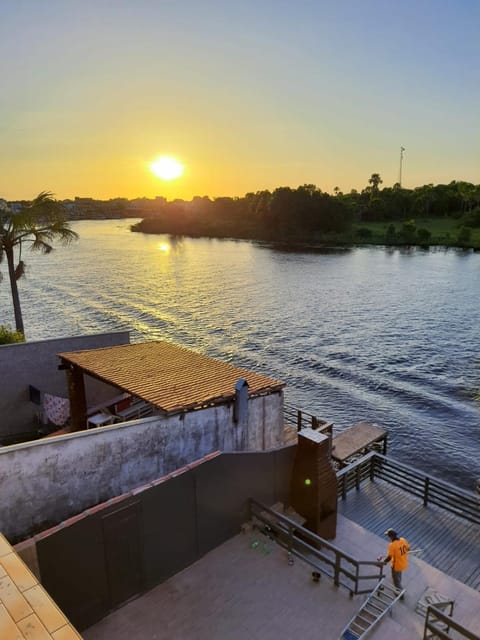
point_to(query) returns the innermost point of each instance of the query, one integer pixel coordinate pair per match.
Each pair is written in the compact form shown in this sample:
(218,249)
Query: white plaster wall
(46,481)
(265,422)
(36,364)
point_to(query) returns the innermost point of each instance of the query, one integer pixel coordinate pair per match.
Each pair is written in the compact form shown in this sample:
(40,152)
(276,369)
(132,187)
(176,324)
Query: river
(366,334)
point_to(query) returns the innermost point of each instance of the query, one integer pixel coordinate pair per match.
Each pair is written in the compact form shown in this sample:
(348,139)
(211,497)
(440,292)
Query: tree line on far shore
(304,215)
(307,214)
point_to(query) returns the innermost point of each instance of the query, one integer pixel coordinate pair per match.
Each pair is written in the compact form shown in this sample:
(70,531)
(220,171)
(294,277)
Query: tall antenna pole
(402,149)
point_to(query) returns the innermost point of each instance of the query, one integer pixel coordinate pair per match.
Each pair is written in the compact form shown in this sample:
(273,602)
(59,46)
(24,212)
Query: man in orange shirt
(397,556)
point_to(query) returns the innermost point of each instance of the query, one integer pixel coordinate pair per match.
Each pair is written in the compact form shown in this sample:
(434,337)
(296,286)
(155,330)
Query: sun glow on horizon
(167,168)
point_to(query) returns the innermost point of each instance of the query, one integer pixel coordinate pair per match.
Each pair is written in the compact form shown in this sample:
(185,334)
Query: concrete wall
(36,364)
(46,481)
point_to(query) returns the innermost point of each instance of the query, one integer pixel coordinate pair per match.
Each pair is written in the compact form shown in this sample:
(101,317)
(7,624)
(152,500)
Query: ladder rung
(387,601)
(359,620)
(370,604)
(387,586)
(380,605)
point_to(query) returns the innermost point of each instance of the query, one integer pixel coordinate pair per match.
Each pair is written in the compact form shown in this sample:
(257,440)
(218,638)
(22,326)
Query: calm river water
(367,334)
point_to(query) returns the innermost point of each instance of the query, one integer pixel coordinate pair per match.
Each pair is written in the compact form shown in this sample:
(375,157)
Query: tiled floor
(26,610)
(248,591)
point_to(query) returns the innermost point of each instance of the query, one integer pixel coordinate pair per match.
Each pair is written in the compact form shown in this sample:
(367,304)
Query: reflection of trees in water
(176,242)
(305,248)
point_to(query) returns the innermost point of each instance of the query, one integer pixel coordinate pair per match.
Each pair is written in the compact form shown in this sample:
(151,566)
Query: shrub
(391,234)
(409,232)
(423,236)
(464,235)
(8,336)
(364,233)
(472,219)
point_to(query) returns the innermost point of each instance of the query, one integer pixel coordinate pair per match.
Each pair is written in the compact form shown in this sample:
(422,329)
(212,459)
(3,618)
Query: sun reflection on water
(164,247)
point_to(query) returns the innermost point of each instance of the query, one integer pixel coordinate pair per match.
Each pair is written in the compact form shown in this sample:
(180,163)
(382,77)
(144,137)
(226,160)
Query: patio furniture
(100,419)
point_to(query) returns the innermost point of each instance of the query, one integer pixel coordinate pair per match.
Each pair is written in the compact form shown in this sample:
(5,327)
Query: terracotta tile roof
(166,375)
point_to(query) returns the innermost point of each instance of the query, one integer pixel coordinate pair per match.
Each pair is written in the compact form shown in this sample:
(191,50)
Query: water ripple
(389,337)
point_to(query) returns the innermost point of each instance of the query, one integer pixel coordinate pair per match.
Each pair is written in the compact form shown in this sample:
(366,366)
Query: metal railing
(302,420)
(438,625)
(429,489)
(320,554)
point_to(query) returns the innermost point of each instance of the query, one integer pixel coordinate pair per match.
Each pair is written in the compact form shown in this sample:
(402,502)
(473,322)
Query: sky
(247,95)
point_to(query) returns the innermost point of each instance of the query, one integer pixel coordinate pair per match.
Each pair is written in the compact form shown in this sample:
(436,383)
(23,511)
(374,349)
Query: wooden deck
(449,543)
(357,439)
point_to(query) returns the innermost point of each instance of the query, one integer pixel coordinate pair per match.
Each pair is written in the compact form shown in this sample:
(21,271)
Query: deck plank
(449,543)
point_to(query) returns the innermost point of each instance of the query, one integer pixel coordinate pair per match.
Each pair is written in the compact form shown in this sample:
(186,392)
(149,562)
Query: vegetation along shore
(429,215)
(446,215)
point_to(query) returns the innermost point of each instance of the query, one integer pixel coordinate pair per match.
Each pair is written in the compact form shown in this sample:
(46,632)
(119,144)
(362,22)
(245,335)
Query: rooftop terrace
(246,590)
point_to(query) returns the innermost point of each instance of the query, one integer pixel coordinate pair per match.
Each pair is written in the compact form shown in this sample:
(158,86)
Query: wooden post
(425,491)
(290,539)
(78,402)
(299,420)
(336,575)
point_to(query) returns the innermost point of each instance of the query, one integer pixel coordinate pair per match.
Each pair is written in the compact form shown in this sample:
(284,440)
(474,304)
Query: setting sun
(166,168)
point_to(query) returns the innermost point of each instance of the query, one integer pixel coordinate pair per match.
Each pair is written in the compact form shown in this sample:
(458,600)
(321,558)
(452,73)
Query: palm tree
(37,224)
(375,180)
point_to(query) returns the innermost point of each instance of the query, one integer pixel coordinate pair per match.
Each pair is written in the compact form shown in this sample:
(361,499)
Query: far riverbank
(424,233)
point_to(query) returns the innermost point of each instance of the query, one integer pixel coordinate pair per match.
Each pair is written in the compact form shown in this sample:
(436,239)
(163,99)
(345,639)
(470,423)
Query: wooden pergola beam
(76,394)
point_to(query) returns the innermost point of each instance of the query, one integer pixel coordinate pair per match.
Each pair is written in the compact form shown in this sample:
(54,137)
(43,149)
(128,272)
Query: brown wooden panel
(121,532)
(72,566)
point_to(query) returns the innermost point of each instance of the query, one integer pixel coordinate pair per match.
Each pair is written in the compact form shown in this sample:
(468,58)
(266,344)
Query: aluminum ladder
(378,603)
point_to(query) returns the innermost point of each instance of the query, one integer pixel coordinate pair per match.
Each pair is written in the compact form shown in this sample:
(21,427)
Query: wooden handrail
(434,616)
(301,542)
(302,419)
(427,488)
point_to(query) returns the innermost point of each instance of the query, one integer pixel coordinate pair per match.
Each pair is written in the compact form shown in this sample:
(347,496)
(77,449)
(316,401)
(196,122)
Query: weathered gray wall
(36,364)
(45,481)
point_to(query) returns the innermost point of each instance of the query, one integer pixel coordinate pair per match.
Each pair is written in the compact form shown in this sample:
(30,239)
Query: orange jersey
(398,553)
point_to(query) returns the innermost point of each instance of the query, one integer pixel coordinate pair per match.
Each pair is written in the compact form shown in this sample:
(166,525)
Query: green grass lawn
(444,231)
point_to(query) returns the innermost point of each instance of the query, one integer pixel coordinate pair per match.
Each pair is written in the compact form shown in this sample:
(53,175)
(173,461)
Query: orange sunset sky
(246,95)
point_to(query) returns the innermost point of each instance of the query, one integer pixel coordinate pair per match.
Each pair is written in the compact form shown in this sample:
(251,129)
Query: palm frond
(43,208)
(38,243)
